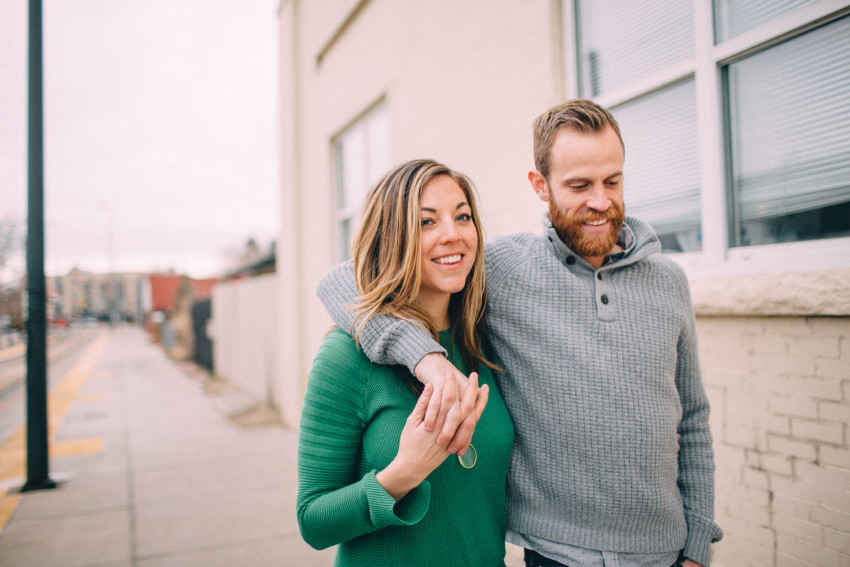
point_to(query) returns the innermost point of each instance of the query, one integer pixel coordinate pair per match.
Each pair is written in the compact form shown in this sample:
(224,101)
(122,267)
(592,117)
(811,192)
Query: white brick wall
(780,395)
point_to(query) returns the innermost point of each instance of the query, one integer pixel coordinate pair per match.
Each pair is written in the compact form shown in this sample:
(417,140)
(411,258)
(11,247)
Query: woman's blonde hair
(387,259)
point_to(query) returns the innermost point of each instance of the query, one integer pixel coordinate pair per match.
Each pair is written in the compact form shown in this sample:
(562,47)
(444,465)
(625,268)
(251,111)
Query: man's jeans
(534,559)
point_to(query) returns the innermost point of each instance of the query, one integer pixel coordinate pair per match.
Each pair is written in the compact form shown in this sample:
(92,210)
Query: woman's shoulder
(339,349)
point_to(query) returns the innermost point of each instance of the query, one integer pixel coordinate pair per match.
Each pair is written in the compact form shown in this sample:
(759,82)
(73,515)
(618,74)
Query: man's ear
(538,183)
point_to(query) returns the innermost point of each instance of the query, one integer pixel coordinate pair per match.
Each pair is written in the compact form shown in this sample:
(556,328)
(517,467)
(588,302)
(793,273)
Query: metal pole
(37,451)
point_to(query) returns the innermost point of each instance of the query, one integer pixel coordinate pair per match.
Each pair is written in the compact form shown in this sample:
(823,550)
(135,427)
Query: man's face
(584,190)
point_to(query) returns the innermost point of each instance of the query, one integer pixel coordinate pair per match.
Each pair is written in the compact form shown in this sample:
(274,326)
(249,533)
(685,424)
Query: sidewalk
(152,473)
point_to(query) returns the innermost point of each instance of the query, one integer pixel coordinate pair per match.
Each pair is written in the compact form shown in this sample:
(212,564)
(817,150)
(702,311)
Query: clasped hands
(456,404)
(442,423)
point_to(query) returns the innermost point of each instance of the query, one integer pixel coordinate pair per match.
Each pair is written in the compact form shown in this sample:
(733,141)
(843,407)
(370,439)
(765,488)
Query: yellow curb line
(59,399)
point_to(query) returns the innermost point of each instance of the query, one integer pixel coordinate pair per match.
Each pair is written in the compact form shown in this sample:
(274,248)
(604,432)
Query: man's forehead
(579,150)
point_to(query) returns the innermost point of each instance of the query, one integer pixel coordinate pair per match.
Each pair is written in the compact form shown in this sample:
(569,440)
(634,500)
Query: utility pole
(38,477)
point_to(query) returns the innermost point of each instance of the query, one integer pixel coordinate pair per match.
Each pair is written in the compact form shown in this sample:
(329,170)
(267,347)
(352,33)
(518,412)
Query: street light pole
(38,476)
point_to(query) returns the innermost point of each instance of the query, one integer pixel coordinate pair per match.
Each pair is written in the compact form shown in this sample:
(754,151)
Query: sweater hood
(637,238)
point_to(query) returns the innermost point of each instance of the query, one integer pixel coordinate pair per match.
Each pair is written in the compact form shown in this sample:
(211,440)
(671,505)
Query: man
(596,333)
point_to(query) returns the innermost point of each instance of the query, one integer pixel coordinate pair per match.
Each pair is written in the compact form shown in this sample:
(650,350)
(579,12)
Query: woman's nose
(449,233)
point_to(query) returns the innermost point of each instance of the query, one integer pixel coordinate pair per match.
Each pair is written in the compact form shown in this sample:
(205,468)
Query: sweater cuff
(407,343)
(701,534)
(385,511)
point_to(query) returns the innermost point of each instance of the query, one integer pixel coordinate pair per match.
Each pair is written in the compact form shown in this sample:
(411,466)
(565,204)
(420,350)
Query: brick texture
(780,394)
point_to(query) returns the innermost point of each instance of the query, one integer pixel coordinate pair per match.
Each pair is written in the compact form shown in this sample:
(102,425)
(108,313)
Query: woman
(370,477)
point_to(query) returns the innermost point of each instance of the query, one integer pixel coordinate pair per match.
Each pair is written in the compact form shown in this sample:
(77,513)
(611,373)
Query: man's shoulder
(512,245)
(667,265)
(667,275)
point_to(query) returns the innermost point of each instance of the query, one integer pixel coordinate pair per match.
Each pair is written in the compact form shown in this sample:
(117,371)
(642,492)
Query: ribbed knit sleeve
(333,504)
(696,457)
(385,339)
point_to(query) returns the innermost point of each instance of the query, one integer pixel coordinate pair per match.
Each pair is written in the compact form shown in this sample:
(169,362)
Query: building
(736,120)
(169,301)
(79,294)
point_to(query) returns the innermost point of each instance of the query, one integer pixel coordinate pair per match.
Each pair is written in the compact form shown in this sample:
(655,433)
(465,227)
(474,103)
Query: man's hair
(577,114)
(387,254)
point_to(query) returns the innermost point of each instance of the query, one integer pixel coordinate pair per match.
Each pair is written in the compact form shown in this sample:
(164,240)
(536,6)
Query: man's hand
(418,453)
(456,418)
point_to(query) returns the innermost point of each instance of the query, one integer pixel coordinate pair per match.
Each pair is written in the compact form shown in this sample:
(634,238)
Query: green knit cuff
(385,511)
(701,534)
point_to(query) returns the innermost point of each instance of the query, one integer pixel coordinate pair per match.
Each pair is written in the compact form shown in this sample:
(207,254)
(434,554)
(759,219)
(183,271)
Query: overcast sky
(161,126)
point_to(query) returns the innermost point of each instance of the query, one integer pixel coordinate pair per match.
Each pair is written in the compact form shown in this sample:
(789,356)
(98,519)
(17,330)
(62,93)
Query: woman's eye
(426,222)
(464,217)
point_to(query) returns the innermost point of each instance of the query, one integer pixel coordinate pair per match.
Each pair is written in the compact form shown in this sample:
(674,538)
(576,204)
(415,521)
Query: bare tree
(11,278)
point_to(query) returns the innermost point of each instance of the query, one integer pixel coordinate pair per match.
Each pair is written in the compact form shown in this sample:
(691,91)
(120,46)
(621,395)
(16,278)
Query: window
(620,44)
(735,114)
(734,17)
(789,138)
(661,182)
(362,155)
(613,55)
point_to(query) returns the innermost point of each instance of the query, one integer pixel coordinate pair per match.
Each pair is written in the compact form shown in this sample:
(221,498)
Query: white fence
(244,332)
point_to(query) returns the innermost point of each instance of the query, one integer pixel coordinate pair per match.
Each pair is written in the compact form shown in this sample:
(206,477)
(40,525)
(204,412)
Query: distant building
(170,299)
(164,290)
(79,294)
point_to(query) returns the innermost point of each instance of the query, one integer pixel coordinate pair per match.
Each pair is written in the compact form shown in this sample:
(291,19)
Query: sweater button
(571,260)
(599,276)
(604,299)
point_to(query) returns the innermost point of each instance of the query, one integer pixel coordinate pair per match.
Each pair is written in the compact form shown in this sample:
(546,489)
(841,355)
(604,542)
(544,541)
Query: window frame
(707,68)
(352,211)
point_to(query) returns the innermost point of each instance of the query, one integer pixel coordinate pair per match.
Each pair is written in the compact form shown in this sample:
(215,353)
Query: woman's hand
(457,404)
(418,452)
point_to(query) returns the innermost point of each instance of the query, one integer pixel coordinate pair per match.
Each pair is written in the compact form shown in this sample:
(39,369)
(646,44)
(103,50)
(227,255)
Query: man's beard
(569,229)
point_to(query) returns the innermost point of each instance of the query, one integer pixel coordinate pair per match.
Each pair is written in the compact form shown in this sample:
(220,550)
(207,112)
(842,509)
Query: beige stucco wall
(455,91)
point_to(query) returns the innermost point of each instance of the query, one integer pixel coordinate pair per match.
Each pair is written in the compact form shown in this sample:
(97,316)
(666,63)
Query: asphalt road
(63,347)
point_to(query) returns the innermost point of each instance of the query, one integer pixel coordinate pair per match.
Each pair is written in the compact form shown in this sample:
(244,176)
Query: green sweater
(351,422)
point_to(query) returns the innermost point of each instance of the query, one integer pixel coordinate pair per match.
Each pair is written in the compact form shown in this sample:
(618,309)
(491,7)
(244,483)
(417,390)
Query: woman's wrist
(397,480)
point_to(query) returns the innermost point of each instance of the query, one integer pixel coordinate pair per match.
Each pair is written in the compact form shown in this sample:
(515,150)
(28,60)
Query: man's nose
(598,200)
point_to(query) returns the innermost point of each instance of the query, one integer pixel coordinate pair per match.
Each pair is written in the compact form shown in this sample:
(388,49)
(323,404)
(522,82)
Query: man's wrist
(421,368)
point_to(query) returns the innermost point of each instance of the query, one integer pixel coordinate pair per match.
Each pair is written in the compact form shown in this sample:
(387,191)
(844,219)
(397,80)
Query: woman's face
(449,241)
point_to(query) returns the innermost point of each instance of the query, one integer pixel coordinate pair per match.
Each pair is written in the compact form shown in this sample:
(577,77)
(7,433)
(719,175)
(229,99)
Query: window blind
(734,17)
(620,42)
(789,119)
(661,181)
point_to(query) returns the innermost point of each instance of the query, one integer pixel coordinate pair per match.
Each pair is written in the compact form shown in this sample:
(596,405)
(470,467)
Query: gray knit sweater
(601,373)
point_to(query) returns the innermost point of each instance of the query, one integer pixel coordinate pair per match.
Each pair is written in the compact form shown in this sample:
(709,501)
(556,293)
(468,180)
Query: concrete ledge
(825,293)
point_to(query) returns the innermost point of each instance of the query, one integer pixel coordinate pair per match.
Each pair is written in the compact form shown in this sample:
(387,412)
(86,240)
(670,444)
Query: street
(62,348)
